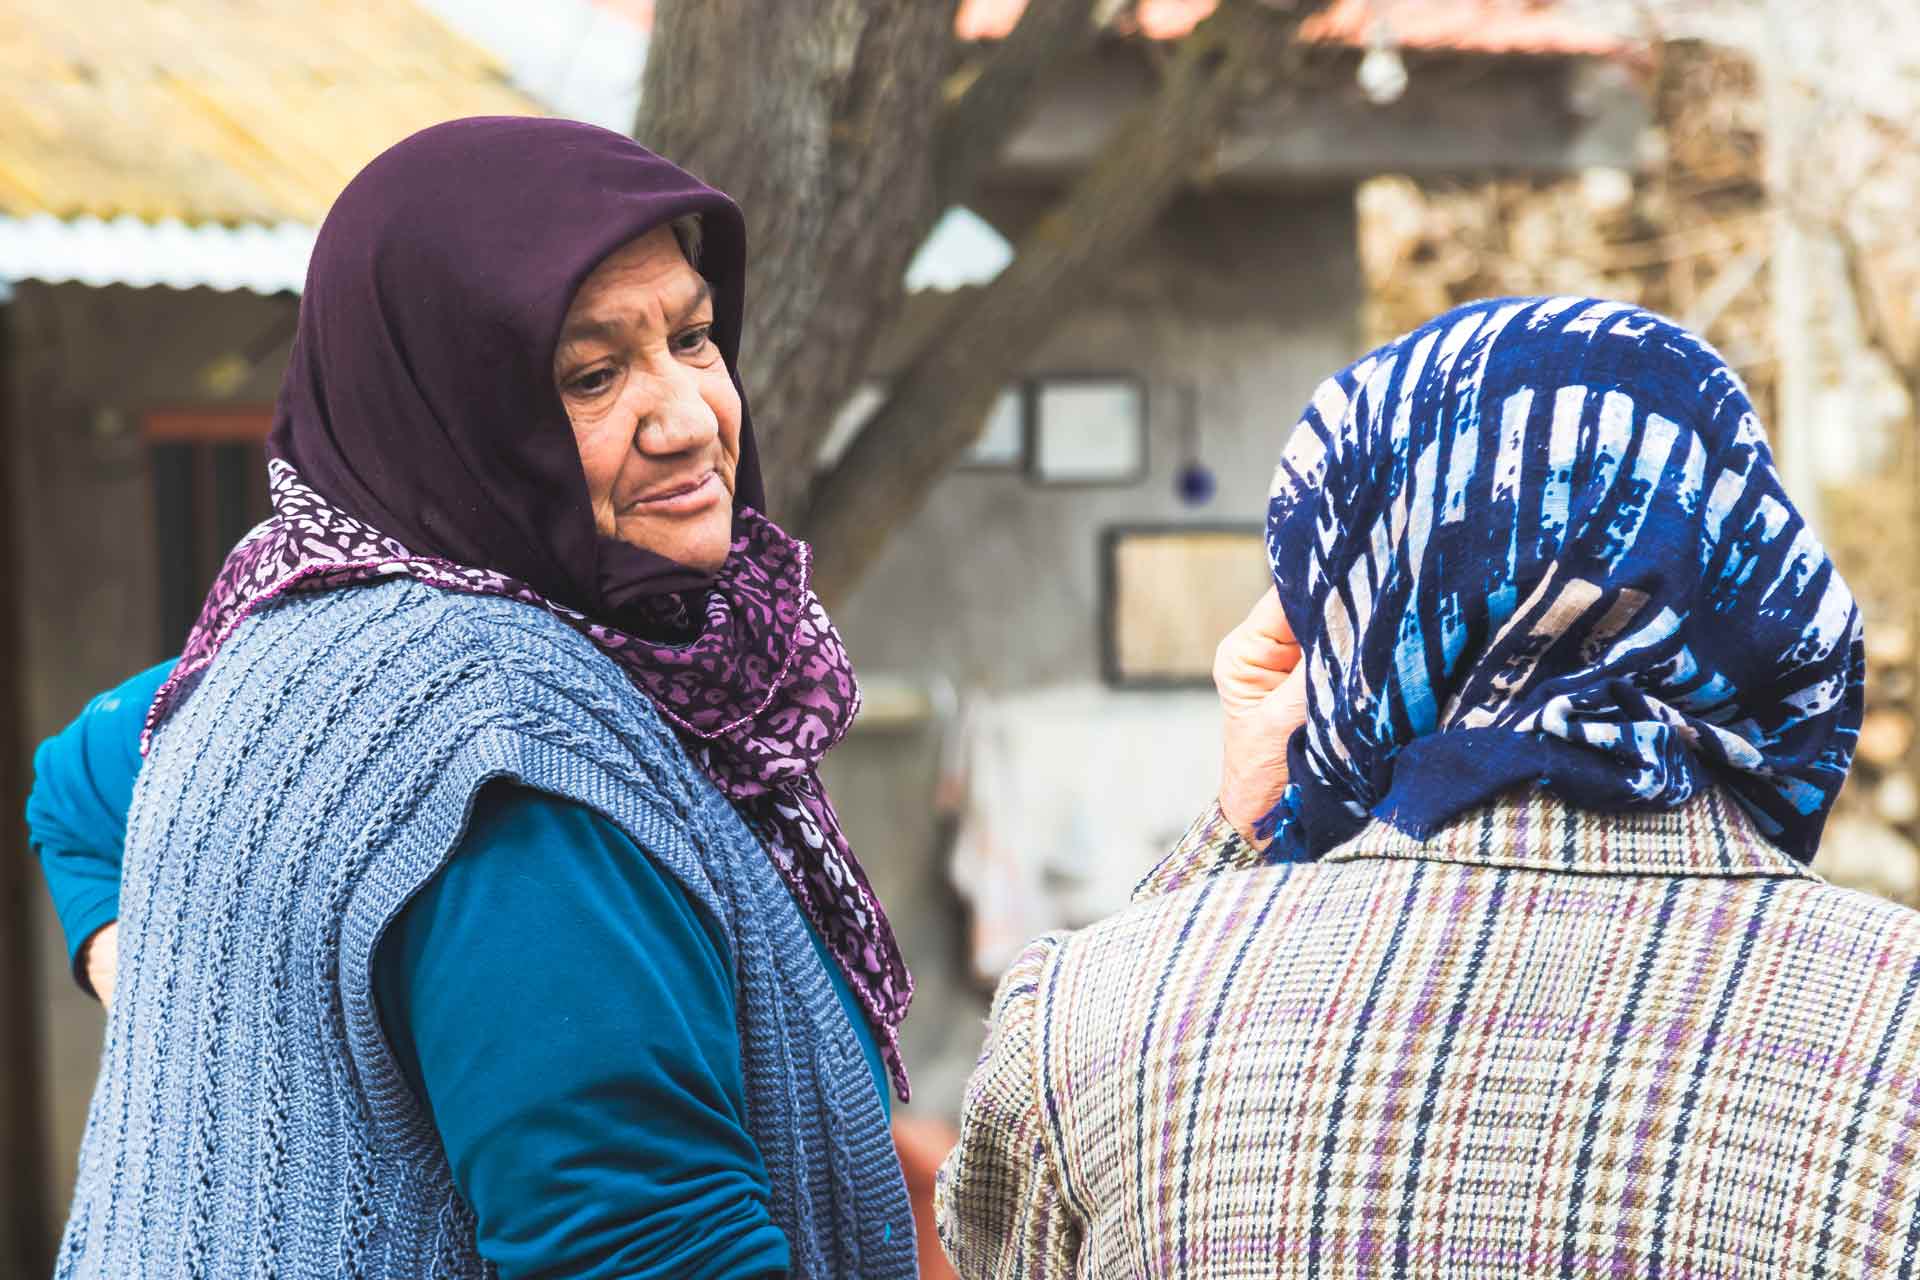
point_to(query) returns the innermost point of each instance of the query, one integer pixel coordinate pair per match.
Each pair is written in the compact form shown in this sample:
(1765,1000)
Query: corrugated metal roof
(961,250)
(1521,27)
(207,111)
(126,250)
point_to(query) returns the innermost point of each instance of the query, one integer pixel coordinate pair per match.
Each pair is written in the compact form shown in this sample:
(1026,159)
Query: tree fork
(942,395)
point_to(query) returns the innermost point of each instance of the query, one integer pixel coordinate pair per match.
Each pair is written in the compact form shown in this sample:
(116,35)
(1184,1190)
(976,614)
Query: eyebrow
(607,330)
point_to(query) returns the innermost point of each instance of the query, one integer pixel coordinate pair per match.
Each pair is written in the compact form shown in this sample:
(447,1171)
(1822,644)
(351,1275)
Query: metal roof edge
(264,258)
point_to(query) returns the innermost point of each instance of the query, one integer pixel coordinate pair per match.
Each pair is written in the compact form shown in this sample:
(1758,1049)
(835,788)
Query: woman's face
(655,413)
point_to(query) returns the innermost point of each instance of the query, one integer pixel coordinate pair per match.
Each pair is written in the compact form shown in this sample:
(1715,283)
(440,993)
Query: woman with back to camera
(1500,955)
(481,910)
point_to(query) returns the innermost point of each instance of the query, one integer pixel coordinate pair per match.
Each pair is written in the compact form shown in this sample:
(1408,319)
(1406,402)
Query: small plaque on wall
(1171,592)
(1088,429)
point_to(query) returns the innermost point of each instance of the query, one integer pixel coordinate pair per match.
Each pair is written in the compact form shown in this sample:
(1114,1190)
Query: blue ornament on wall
(1195,481)
(1195,484)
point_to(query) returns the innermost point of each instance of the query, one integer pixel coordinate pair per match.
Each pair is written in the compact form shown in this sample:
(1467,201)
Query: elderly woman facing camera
(1500,955)
(481,909)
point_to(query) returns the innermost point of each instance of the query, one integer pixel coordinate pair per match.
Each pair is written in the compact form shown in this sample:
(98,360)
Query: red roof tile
(1462,26)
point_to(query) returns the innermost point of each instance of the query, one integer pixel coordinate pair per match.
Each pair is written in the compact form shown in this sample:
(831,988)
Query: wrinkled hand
(100,957)
(1263,693)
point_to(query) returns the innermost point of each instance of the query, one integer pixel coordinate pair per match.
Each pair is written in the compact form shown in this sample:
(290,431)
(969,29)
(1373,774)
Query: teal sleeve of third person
(83,780)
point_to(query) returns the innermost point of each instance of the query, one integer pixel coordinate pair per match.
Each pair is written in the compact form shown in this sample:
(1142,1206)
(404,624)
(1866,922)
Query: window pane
(233,482)
(173,503)
(1089,431)
(1002,440)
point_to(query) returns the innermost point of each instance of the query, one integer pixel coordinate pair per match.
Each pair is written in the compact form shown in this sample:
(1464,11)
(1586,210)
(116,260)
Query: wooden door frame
(26,1245)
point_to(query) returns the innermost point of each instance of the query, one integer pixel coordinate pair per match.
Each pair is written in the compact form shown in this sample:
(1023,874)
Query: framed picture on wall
(1002,442)
(1087,429)
(1169,592)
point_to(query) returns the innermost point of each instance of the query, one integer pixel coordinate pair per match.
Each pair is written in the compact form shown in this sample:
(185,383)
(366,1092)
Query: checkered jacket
(1544,1043)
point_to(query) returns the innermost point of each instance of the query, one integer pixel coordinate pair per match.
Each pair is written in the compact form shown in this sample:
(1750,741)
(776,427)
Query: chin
(703,548)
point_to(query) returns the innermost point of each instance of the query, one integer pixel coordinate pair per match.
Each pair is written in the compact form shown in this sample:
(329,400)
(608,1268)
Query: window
(209,472)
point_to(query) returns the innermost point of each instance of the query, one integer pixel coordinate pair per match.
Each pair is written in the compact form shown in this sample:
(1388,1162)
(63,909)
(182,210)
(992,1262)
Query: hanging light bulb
(1382,75)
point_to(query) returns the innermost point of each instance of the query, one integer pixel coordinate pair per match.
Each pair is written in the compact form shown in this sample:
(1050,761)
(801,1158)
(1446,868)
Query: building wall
(995,585)
(87,363)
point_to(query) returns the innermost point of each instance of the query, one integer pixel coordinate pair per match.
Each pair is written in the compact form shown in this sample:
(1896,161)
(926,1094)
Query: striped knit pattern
(1542,1044)
(249,1120)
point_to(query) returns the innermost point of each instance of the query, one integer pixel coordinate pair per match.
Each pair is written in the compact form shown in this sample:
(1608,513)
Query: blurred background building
(1034,640)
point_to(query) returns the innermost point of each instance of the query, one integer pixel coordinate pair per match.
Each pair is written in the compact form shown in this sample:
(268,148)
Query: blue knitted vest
(249,1119)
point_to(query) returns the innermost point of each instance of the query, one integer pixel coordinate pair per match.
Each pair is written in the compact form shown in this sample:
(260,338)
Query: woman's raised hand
(1263,694)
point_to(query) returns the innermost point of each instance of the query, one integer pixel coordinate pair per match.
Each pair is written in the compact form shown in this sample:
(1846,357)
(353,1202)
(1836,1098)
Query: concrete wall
(87,363)
(995,585)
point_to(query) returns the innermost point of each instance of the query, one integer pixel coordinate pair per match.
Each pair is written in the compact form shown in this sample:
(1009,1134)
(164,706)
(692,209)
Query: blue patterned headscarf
(1541,541)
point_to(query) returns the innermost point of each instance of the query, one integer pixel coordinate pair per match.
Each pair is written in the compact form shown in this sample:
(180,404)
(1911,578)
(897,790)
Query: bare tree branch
(1875,321)
(996,100)
(943,394)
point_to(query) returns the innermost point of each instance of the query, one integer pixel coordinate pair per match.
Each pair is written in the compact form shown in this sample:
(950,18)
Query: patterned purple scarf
(419,434)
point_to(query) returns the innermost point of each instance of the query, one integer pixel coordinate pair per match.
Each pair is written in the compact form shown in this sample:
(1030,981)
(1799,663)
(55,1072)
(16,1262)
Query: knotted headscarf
(1541,542)
(418,433)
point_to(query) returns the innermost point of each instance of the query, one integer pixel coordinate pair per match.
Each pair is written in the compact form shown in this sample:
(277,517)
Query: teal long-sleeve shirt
(563,1007)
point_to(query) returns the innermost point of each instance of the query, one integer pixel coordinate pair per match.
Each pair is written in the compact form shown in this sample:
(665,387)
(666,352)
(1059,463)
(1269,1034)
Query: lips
(690,493)
(676,489)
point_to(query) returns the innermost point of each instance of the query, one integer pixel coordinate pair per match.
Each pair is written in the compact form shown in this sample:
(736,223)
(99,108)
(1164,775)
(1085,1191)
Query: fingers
(1253,658)
(1268,619)
(1265,640)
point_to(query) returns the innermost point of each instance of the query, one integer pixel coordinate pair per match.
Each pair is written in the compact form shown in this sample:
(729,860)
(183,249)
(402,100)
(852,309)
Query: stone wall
(1829,351)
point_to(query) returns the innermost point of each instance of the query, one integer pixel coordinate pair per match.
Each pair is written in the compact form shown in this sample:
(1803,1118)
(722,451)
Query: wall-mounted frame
(1003,442)
(1086,429)
(1168,593)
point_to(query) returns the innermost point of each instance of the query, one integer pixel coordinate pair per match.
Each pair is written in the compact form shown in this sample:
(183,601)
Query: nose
(676,418)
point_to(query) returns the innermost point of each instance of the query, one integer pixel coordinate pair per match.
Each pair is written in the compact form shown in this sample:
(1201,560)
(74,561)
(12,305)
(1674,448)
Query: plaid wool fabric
(1543,1043)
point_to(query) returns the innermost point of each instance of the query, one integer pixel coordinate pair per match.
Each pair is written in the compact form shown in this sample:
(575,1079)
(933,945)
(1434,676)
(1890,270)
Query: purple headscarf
(418,434)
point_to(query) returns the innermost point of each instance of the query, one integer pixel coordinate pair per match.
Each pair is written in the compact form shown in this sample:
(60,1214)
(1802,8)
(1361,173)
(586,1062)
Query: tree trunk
(937,404)
(827,121)
(815,116)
